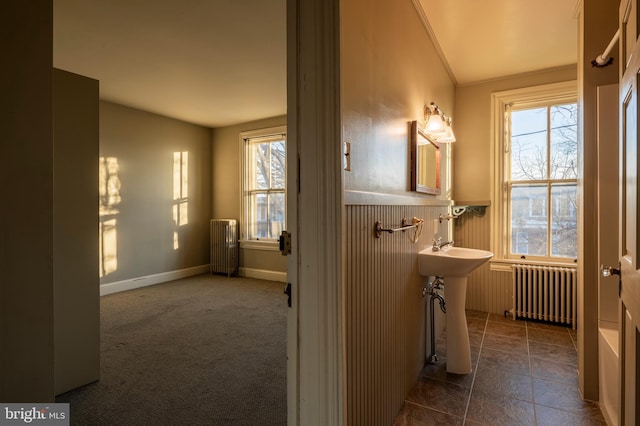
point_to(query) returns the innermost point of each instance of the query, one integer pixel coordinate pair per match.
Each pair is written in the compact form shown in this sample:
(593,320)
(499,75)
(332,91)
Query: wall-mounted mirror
(425,162)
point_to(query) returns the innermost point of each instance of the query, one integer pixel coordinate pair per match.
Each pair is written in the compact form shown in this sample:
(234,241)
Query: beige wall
(389,71)
(144,145)
(226,181)
(472,174)
(265,261)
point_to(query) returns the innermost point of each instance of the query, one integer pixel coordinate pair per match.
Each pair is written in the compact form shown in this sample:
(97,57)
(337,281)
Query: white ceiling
(209,62)
(486,39)
(223,62)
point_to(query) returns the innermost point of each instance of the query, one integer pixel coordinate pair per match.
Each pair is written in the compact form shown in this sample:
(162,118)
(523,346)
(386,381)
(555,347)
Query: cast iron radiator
(224,246)
(546,293)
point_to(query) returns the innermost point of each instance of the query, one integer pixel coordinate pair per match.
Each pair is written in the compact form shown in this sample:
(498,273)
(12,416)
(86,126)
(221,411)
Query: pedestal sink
(454,264)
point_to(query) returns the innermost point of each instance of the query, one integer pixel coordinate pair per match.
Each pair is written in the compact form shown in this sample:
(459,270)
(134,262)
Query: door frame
(315,202)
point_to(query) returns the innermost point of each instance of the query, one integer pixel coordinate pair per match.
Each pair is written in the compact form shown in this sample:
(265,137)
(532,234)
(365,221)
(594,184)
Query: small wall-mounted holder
(604,59)
(607,62)
(403,227)
(406,224)
(476,210)
(446,217)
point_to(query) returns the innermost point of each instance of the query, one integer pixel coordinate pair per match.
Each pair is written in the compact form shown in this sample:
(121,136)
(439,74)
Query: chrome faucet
(438,244)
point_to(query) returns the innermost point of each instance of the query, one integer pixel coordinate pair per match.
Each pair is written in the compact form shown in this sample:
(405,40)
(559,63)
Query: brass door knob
(607,271)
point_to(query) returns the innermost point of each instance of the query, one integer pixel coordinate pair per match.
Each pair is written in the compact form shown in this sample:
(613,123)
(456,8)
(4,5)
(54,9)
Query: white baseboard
(148,280)
(263,274)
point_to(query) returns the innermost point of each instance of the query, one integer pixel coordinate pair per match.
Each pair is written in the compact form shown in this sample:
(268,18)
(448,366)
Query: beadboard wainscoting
(384,311)
(487,290)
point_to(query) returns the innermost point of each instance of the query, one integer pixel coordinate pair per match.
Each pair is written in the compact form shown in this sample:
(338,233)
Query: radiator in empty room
(224,246)
(546,293)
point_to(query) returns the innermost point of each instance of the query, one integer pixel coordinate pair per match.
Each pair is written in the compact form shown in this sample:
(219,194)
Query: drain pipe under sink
(431,288)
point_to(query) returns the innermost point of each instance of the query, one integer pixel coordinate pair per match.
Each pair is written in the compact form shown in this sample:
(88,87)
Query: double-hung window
(264,181)
(535,132)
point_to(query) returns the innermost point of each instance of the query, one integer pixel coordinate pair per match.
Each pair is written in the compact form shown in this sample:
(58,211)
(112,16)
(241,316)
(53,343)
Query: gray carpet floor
(205,350)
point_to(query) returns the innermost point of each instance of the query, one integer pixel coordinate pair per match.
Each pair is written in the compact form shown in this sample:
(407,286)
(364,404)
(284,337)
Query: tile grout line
(484,333)
(417,404)
(475,371)
(533,392)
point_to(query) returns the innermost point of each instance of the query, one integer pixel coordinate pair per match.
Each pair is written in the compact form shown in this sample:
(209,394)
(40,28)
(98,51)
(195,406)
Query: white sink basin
(451,261)
(454,264)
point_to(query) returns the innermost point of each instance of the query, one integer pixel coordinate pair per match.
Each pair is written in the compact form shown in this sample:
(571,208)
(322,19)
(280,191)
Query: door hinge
(285,243)
(287,291)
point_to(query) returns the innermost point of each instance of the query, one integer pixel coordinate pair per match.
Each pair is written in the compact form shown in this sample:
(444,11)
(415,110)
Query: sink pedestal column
(458,349)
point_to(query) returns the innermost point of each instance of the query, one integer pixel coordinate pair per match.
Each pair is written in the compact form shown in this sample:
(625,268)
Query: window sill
(504,265)
(267,245)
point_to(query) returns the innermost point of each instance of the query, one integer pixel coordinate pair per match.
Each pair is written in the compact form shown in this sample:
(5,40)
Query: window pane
(267,215)
(564,141)
(259,217)
(260,153)
(276,214)
(564,219)
(529,144)
(278,165)
(529,220)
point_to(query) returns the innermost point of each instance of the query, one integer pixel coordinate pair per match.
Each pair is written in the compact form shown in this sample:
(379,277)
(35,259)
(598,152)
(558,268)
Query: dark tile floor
(524,373)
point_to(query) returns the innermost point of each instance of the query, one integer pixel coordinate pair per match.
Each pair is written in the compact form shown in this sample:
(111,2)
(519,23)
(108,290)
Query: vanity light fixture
(434,120)
(437,125)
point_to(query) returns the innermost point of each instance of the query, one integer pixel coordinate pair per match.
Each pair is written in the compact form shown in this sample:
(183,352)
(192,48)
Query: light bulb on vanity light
(437,125)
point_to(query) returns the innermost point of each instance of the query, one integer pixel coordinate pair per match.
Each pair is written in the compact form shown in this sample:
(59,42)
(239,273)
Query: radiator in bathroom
(546,293)
(224,246)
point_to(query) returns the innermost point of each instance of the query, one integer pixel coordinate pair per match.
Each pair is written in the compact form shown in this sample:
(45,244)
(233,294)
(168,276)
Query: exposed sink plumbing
(431,288)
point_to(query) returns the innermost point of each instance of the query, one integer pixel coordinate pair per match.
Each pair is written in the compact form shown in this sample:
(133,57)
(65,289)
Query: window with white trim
(536,146)
(264,183)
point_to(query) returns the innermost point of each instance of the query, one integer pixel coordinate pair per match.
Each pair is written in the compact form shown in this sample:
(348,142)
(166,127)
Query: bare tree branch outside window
(267,188)
(543,181)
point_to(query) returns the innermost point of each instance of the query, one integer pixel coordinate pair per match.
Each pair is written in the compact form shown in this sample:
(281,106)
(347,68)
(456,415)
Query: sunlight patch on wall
(108,247)
(180,194)
(109,190)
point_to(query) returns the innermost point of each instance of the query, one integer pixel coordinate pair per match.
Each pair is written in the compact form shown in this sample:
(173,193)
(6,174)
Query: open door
(629,324)
(76,284)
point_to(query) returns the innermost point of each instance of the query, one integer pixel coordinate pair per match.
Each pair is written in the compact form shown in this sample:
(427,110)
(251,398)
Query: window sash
(542,226)
(501,103)
(266,218)
(264,190)
(530,221)
(273,162)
